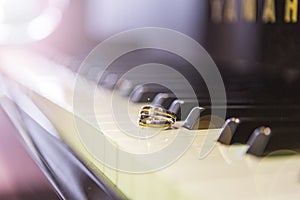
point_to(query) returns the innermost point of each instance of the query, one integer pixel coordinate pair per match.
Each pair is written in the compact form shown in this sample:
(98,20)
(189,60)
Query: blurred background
(258,61)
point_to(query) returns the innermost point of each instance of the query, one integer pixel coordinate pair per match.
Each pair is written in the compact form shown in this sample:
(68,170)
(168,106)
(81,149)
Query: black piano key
(168,100)
(164,99)
(110,81)
(276,139)
(192,121)
(239,130)
(125,87)
(182,108)
(147,92)
(231,128)
(205,120)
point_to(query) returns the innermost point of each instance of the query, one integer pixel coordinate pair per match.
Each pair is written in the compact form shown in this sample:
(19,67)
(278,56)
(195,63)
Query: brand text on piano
(227,11)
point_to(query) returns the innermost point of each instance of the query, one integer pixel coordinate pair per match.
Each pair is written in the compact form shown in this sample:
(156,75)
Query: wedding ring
(156,117)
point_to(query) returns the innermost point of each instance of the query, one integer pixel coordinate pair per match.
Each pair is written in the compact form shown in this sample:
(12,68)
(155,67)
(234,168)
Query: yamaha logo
(231,11)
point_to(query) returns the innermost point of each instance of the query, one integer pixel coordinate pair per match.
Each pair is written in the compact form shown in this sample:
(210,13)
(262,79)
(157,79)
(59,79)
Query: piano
(83,129)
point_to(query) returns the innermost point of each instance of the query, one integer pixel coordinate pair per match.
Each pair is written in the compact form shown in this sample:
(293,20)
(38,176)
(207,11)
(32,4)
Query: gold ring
(156,117)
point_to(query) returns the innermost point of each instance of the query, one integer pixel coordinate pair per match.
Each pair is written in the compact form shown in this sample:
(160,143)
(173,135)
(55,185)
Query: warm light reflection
(27,22)
(18,12)
(45,24)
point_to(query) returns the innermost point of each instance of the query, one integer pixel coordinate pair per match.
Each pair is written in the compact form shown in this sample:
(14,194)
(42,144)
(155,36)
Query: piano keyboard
(227,172)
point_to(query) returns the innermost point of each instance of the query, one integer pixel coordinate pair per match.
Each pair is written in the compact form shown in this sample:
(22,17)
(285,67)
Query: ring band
(156,117)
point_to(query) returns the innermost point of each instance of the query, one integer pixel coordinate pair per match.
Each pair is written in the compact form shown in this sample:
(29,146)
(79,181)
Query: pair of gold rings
(156,117)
